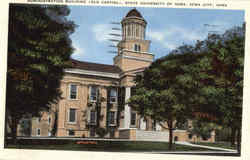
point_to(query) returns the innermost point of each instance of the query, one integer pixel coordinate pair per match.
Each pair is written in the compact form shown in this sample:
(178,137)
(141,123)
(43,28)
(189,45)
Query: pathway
(208,147)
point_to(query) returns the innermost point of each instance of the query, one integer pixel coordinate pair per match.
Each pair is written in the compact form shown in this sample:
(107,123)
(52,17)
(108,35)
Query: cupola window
(137,31)
(129,31)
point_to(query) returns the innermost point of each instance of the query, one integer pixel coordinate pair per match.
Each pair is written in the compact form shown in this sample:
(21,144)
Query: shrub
(101,132)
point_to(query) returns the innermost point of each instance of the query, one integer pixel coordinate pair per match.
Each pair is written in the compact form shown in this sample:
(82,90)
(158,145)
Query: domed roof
(134,13)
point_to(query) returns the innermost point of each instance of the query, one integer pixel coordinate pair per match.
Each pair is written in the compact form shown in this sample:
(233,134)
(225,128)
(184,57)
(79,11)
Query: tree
(202,129)
(211,70)
(38,50)
(217,80)
(25,126)
(159,95)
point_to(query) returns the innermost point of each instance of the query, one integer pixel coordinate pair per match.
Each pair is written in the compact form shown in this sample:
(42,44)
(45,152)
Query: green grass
(225,145)
(110,146)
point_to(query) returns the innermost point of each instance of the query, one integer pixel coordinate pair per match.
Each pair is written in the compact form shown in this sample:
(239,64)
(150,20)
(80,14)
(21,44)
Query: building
(94,94)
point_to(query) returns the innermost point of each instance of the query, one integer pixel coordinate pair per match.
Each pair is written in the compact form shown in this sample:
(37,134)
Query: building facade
(94,95)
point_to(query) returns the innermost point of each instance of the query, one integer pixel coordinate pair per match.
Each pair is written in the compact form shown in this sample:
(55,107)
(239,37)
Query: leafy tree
(216,80)
(205,78)
(159,95)
(202,129)
(38,50)
(25,126)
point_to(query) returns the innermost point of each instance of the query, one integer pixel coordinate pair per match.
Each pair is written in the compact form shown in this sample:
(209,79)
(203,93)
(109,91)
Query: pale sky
(167,28)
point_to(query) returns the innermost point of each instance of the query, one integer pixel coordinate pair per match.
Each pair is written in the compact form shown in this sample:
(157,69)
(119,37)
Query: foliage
(38,50)
(205,78)
(25,126)
(223,134)
(101,132)
(158,93)
(216,79)
(219,77)
(202,129)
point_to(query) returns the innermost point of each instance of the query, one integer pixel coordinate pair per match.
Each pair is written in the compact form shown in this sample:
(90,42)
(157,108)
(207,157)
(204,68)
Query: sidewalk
(208,147)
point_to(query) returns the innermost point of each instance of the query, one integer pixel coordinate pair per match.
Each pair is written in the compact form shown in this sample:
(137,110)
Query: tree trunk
(170,127)
(55,125)
(233,134)
(239,140)
(6,129)
(14,129)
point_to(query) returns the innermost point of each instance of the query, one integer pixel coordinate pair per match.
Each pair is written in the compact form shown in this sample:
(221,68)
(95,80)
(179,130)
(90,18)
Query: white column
(142,34)
(127,110)
(126,31)
(158,126)
(123,32)
(142,124)
(133,31)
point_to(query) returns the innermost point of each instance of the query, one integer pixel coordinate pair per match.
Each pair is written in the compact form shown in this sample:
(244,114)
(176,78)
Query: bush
(101,132)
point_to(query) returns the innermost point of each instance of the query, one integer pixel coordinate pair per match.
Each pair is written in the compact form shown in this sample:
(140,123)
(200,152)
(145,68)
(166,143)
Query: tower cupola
(133,49)
(133,25)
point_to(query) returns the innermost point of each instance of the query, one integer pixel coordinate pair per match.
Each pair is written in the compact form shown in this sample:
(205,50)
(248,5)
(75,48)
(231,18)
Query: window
(72,115)
(71,133)
(112,118)
(38,132)
(133,119)
(137,47)
(176,138)
(112,132)
(91,117)
(38,119)
(137,31)
(190,136)
(129,30)
(113,95)
(92,132)
(73,90)
(49,120)
(93,93)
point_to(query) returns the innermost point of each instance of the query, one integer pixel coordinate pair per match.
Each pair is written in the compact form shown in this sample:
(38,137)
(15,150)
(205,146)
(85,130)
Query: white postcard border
(42,154)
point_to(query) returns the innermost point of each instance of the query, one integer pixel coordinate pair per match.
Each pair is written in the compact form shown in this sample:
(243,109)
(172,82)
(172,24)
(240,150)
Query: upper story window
(112,118)
(113,95)
(137,47)
(72,115)
(73,91)
(93,93)
(92,117)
